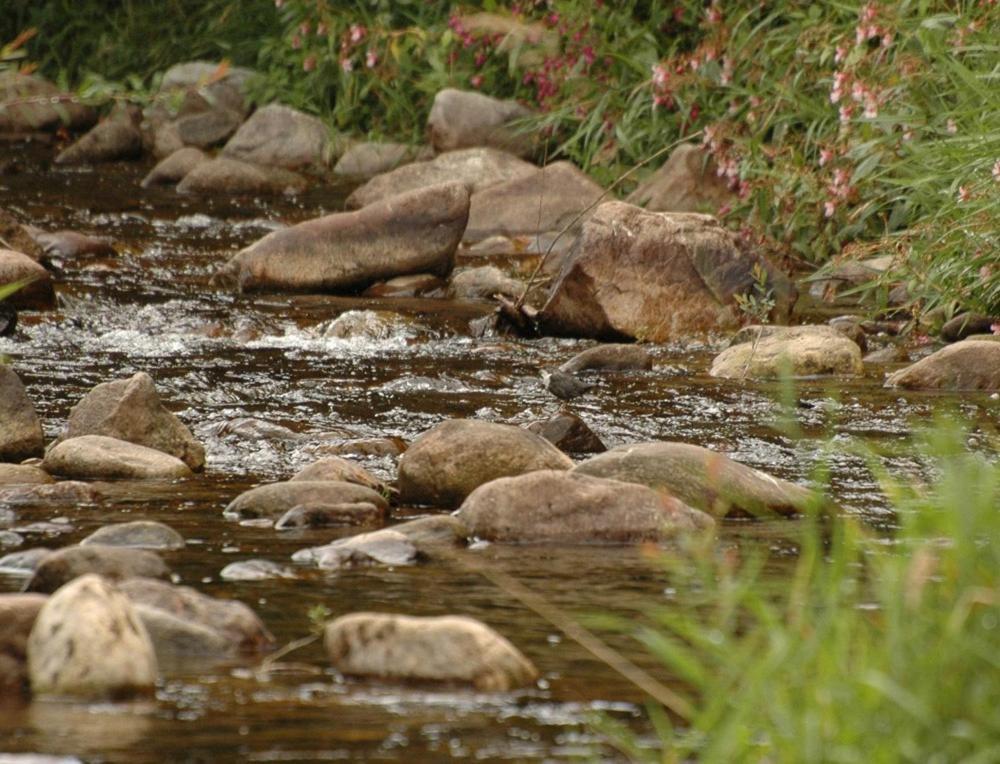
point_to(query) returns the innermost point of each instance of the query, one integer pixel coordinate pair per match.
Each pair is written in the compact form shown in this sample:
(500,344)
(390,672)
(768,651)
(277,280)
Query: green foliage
(871,651)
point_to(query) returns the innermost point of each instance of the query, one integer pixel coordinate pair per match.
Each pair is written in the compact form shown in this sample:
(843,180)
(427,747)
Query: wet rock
(204,129)
(39,294)
(43,528)
(416,285)
(255,570)
(483,283)
(652,275)
(130,409)
(701,478)
(415,232)
(462,119)
(432,531)
(20,428)
(17,615)
(687,182)
(279,136)
(21,474)
(111,562)
(382,547)
(72,244)
(7,517)
(174,167)
(567,432)
(800,351)
(363,160)
(363,324)
(29,103)
(225,175)
(966,325)
(888,354)
(569,507)
(971,364)
(442,649)
(88,642)
(392,446)
(238,624)
(610,357)
(274,500)
(250,428)
(9,539)
(174,637)
(337,468)
(23,562)
(104,458)
(19,237)
(142,534)
(446,463)
(322,515)
(62,492)
(477,169)
(549,199)
(114,138)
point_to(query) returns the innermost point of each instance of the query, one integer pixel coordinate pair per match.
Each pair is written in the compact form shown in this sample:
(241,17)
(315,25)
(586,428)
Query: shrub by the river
(874,649)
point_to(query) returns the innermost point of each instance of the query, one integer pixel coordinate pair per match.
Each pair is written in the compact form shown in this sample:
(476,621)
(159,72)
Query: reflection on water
(267,390)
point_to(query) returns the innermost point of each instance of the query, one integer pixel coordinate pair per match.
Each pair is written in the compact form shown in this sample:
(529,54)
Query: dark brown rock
(110,562)
(966,325)
(610,357)
(567,432)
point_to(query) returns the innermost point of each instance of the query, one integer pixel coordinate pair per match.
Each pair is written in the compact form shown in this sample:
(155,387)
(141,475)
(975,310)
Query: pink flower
(356,33)
(840,54)
(871,107)
(846,112)
(837,91)
(887,39)
(825,156)
(660,75)
(908,134)
(829,209)
(304,28)
(371,58)
(309,64)
(347,65)
(963,194)
(296,42)
(322,29)
(476,81)
(951,127)
(480,58)
(996,171)
(713,14)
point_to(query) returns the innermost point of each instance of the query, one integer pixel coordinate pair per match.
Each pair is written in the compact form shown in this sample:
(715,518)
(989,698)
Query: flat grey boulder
(549,199)
(462,119)
(175,167)
(971,364)
(280,136)
(802,351)
(17,615)
(449,461)
(103,458)
(39,294)
(451,649)
(141,534)
(88,642)
(131,409)
(20,428)
(573,508)
(653,276)
(686,182)
(110,562)
(363,160)
(225,175)
(415,232)
(274,500)
(610,357)
(703,479)
(476,169)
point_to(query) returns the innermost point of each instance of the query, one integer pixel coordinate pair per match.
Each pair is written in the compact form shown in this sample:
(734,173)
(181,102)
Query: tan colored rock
(443,649)
(173,168)
(415,232)
(17,615)
(703,479)
(103,458)
(20,428)
(446,463)
(381,547)
(338,468)
(483,283)
(39,294)
(130,409)
(225,175)
(88,642)
(801,351)
(274,500)
(461,119)
(654,276)
(572,508)
(22,474)
(139,534)
(687,182)
(971,364)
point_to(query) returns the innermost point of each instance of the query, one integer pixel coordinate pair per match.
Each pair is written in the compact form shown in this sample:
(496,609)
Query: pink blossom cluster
(867,28)
(838,191)
(727,162)
(861,93)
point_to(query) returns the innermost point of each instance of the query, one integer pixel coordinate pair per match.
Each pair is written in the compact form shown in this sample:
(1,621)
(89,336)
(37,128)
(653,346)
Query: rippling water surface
(220,359)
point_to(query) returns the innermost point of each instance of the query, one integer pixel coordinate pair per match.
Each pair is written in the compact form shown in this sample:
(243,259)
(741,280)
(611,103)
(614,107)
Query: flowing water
(219,358)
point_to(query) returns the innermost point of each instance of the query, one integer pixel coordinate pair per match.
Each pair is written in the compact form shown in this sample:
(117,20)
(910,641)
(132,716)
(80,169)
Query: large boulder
(451,460)
(141,534)
(475,168)
(39,294)
(281,137)
(225,175)
(175,167)
(569,507)
(103,458)
(130,409)
(88,642)
(656,276)
(364,160)
(17,615)
(29,104)
(414,232)
(461,119)
(111,139)
(20,429)
(802,351)
(701,478)
(687,182)
(548,199)
(237,624)
(110,562)
(274,500)
(442,649)
(971,364)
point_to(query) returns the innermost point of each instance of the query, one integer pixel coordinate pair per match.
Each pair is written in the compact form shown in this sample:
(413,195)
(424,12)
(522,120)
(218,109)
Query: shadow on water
(219,357)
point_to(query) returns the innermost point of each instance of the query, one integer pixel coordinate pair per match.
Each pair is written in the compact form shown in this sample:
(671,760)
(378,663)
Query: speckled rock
(100,457)
(141,534)
(274,500)
(769,351)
